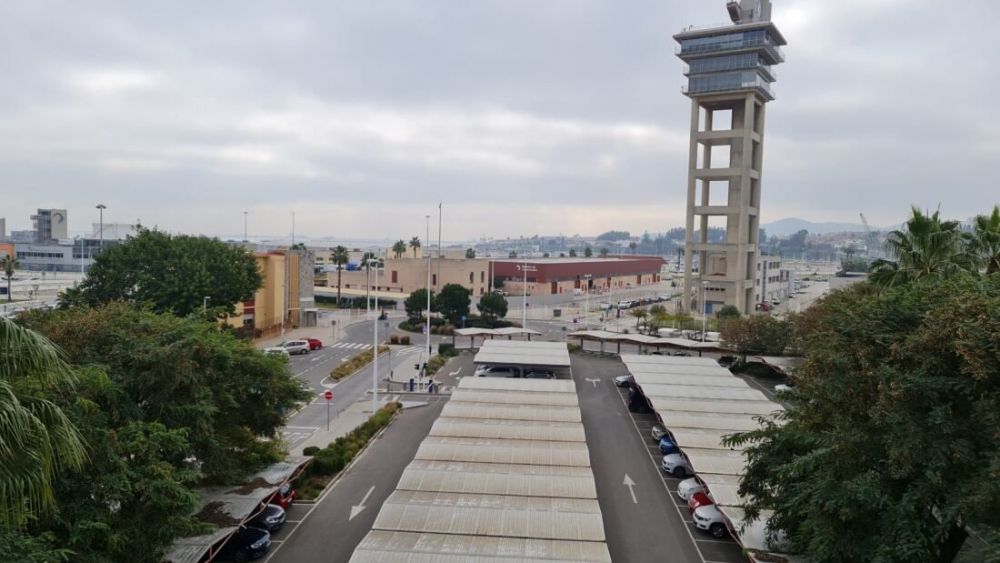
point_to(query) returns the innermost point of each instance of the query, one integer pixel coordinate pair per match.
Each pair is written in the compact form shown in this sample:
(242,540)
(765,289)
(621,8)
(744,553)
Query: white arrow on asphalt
(357,508)
(594,381)
(631,487)
(456,372)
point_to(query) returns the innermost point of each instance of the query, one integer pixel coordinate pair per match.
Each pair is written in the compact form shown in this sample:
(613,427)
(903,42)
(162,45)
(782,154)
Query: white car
(276,350)
(782,388)
(291,347)
(497,371)
(710,519)
(688,487)
(624,380)
(676,465)
(658,432)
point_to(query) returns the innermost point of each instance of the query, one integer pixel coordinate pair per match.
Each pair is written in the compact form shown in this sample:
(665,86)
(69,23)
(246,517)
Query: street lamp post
(427,327)
(524,296)
(245,239)
(704,309)
(100,208)
(586,300)
(373,262)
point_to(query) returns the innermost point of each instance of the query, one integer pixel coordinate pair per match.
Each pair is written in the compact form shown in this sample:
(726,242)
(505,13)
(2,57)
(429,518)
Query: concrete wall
(406,275)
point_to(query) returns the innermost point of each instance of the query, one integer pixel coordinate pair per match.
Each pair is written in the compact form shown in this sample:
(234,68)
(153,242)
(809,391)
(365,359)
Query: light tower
(730,71)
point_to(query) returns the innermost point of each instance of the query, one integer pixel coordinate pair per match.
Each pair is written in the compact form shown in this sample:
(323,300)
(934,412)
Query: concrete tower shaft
(730,73)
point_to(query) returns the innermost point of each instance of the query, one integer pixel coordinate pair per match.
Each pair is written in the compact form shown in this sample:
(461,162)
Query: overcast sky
(522,116)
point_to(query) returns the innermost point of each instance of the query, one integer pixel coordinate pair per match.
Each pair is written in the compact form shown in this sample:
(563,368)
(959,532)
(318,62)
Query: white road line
(659,471)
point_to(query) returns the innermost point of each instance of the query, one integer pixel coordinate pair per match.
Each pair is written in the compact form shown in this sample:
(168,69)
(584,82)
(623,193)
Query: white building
(773,281)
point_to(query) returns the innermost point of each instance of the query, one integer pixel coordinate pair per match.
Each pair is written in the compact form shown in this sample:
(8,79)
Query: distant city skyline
(520,116)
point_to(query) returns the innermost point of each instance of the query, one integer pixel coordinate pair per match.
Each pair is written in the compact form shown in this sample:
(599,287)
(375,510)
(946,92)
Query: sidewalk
(340,425)
(323,329)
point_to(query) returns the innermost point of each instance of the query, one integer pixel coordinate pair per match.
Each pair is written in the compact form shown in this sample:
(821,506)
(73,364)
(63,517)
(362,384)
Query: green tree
(399,248)
(453,302)
(184,374)
(470,253)
(172,274)
(512,254)
(925,247)
(37,441)
(727,312)
(639,315)
(416,304)
(984,241)
(415,245)
(633,246)
(604,252)
(572,253)
(757,334)
(888,450)
(545,255)
(340,257)
(8,264)
(492,306)
(588,252)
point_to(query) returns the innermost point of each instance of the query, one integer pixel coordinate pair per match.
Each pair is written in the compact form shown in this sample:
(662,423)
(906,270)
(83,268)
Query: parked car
(291,347)
(681,354)
(498,371)
(315,343)
(658,432)
(783,388)
(246,544)
(667,445)
(624,380)
(537,373)
(710,519)
(676,465)
(699,499)
(727,361)
(637,402)
(277,351)
(271,518)
(626,304)
(688,487)
(284,496)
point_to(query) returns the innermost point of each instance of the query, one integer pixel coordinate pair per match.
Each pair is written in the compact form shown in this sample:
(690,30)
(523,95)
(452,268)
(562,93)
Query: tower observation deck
(730,69)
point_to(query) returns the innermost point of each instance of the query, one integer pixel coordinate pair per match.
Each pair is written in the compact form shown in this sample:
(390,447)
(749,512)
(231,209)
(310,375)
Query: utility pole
(101,207)
(373,262)
(440,254)
(428,325)
(245,226)
(524,296)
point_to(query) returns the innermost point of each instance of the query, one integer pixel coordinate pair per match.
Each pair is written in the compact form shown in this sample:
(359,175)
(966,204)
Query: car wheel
(241,556)
(718,531)
(679,472)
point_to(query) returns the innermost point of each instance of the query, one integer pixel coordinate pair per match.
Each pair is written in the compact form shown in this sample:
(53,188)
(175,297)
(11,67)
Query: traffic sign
(328,395)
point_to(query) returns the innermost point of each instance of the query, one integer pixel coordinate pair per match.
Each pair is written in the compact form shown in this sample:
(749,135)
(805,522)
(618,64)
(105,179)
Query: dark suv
(246,544)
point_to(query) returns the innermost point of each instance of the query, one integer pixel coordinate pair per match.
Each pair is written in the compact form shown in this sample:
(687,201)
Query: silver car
(294,346)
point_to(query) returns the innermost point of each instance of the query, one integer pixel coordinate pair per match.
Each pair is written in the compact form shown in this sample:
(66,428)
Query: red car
(315,343)
(698,500)
(284,496)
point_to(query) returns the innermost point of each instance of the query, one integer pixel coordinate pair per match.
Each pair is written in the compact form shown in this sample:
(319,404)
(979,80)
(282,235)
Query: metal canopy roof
(603,335)
(496,480)
(507,331)
(716,406)
(508,429)
(700,392)
(691,379)
(707,438)
(406,547)
(522,353)
(492,515)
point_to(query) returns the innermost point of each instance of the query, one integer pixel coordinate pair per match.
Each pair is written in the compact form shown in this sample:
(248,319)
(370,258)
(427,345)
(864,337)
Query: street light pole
(374,344)
(245,239)
(101,207)
(704,309)
(524,296)
(586,306)
(427,239)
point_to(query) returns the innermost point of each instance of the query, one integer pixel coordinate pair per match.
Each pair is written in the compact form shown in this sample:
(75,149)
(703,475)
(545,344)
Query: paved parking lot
(652,525)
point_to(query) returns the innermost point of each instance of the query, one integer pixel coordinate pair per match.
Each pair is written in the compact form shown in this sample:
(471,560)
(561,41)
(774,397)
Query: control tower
(730,70)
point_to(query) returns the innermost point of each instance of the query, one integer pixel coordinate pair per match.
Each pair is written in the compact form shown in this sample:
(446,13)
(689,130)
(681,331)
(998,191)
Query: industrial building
(556,276)
(730,72)
(404,275)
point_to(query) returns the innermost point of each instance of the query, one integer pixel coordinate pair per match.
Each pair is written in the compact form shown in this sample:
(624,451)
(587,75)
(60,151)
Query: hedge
(354,364)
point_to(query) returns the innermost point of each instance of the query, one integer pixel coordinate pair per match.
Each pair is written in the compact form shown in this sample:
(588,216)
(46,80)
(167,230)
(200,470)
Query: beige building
(406,275)
(285,299)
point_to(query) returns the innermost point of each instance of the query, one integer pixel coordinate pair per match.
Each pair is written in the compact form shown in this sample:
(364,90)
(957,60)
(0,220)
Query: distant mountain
(790,226)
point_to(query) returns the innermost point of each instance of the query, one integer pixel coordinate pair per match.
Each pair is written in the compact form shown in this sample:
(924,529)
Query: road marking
(594,381)
(356,509)
(631,487)
(456,372)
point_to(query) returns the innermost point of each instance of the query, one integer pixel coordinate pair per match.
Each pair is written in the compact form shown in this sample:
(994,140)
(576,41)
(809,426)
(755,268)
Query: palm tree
(470,253)
(37,440)
(8,264)
(983,242)
(926,247)
(399,248)
(414,245)
(339,257)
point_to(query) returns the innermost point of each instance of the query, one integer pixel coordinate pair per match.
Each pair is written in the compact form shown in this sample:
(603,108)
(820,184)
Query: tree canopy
(416,304)
(614,235)
(757,334)
(170,274)
(889,446)
(493,306)
(453,302)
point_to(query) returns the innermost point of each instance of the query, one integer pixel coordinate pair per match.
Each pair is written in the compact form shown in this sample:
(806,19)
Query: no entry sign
(328,395)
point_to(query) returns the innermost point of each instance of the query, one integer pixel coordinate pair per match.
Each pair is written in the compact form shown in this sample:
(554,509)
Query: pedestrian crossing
(351,346)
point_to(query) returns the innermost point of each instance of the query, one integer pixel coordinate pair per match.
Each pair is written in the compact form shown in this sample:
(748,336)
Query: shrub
(311,450)
(405,339)
(334,457)
(435,363)
(354,364)
(447,349)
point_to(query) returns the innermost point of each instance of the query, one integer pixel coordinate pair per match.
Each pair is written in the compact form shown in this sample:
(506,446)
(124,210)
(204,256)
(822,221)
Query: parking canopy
(522,353)
(699,403)
(496,480)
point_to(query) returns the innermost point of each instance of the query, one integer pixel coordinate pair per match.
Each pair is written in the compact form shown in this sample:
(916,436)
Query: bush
(435,363)
(311,450)
(334,457)
(405,339)
(354,364)
(447,349)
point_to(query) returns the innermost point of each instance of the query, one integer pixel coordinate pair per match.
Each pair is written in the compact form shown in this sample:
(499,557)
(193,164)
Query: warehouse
(556,276)
(503,475)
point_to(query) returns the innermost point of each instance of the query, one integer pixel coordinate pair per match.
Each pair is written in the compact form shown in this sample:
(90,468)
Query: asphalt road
(653,527)
(325,530)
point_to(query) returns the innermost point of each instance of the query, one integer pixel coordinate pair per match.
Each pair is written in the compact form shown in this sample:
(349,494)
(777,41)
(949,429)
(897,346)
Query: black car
(271,518)
(637,402)
(681,354)
(540,374)
(727,361)
(246,544)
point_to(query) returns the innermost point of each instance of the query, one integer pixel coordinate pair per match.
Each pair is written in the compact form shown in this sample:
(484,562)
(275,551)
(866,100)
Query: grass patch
(357,362)
(331,460)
